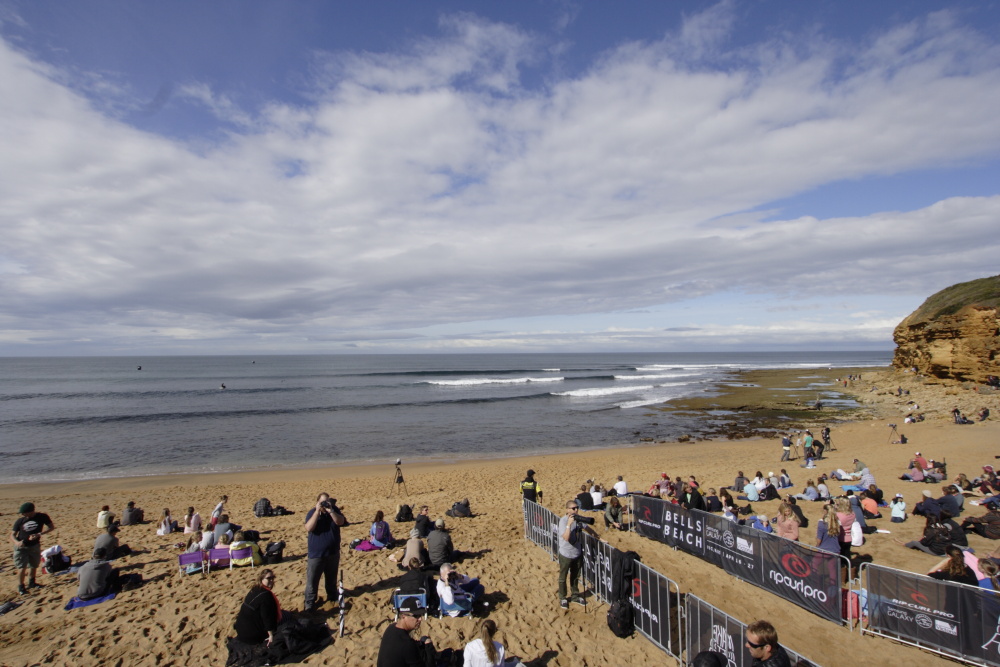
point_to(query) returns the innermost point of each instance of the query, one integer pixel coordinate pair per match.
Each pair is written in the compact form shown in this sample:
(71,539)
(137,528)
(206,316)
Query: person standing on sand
(786,447)
(26,537)
(323,524)
(570,555)
(530,490)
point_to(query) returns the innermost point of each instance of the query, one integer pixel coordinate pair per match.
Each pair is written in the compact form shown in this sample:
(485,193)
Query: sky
(249,177)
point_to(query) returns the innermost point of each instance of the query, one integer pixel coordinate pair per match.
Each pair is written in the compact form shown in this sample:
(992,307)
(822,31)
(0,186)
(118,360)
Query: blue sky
(252,177)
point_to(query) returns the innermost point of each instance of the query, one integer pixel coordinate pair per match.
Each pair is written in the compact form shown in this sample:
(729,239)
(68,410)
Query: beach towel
(75,602)
(365,545)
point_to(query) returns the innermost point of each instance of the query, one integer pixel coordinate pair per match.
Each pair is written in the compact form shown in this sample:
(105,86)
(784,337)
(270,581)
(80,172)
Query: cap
(26,507)
(663,475)
(439,523)
(770,474)
(899,495)
(530,472)
(412,606)
(917,454)
(988,468)
(113,528)
(927,494)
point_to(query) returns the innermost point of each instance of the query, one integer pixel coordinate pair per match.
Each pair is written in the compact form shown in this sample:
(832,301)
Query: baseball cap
(899,495)
(414,533)
(26,507)
(530,472)
(927,494)
(439,523)
(917,454)
(412,606)
(988,468)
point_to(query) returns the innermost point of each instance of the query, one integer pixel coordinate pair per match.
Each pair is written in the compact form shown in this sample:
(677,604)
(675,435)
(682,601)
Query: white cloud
(428,187)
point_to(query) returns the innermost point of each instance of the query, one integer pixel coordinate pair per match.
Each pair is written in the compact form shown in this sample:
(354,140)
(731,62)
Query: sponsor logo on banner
(924,621)
(683,527)
(796,569)
(636,602)
(945,626)
(722,642)
(901,614)
(646,517)
(744,545)
(922,608)
(730,546)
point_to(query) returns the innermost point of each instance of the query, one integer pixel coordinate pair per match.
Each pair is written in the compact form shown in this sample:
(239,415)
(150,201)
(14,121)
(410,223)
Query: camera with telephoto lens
(585,520)
(330,504)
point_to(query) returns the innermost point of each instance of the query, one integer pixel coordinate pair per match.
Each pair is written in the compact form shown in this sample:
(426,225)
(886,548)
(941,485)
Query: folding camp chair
(238,554)
(188,559)
(398,597)
(218,557)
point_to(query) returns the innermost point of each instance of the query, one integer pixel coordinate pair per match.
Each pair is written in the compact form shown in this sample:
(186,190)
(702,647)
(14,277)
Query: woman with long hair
(845,521)
(484,651)
(787,525)
(260,614)
(167,525)
(827,530)
(727,499)
(380,535)
(953,568)
(192,521)
(613,514)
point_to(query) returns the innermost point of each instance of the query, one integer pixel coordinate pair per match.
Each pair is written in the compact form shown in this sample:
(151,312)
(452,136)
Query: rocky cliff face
(955,334)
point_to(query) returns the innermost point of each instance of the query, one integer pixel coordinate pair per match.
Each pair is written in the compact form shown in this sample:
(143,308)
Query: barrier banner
(541,527)
(961,620)
(656,608)
(709,629)
(598,557)
(808,577)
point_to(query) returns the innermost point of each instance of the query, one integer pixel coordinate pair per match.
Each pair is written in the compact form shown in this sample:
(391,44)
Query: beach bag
(404,513)
(621,619)
(274,553)
(263,508)
(57,562)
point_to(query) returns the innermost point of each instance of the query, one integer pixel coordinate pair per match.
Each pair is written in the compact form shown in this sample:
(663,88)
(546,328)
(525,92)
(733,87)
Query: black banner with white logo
(808,577)
(541,526)
(961,620)
(710,629)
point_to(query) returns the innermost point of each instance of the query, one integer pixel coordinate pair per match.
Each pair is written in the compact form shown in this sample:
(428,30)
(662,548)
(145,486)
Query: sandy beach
(173,620)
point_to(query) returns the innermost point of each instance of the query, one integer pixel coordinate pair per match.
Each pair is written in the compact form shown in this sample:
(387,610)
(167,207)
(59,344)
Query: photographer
(26,537)
(570,553)
(323,524)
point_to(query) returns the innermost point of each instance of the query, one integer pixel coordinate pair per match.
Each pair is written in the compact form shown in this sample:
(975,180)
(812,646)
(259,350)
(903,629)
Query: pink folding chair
(187,559)
(218,557)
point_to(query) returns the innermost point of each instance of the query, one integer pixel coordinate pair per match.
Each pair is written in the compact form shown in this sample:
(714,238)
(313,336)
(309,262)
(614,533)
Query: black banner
(709,629)
(541,527)
(597,565)
(656,608)
(808,577)
(960,620)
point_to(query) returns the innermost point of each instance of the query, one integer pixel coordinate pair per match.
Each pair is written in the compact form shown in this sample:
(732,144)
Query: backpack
(57,563)
(404,513)
(621,619)
(274,553)
(263,508)
(251,535)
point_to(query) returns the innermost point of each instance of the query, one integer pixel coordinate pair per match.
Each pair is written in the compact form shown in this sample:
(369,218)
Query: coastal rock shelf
(955,334)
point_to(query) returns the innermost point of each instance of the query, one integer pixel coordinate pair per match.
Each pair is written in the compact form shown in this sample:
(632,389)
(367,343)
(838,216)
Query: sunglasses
(752,645)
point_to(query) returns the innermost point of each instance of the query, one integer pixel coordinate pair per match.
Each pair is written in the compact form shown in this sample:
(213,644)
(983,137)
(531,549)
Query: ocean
(82,418)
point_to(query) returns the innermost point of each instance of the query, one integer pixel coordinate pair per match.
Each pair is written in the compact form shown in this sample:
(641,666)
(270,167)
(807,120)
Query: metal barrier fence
(801,574)
(711,629)
(540,526)
(954,620)
(657,603)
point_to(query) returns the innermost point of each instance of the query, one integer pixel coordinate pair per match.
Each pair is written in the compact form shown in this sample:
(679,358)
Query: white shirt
(621,488)
(475,654)
(598,497)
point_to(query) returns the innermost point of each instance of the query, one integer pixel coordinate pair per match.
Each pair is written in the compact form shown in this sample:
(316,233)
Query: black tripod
(397,481)
(893,432)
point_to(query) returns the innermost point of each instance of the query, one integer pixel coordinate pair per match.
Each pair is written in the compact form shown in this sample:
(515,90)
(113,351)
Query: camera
(585,520)
(330,504)
(891,425)
(453,577)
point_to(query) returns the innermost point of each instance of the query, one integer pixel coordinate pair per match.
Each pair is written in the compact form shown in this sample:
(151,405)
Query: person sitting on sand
(869,507)
(597,497)
(225,527)
(663,484)
(913,475)
(739,483)
(897,507)
(749,493)
(418,577)
(457,592)
(784,481)
(953,568)
(192,521)
(108,542)
(758,481)
(379,535)
(928,507)
(824,490)
(769,492)
(423,522)
(797,511)
(105,517)
(809,493)
(760,522)
(962,482)
(240,542)
(787,524)
(613,515)
(167,525)
(414,549)
(484,651)
(621,488)
(712,502)
(97,577)
(727,500)
(951,501)
(260,614)
(987,525)
(585,500)
(691,499)
(934,541)
(440,546)
(132,514)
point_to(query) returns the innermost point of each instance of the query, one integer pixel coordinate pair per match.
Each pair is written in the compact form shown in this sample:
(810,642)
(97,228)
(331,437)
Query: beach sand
(173,620)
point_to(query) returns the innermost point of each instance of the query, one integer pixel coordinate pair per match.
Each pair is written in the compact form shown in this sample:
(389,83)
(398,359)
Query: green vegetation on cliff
(984,292)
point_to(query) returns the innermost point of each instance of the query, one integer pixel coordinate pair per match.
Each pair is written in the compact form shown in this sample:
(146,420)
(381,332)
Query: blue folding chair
(398,597)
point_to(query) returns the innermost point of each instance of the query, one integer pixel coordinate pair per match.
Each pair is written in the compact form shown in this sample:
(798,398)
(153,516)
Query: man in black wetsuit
(398,648)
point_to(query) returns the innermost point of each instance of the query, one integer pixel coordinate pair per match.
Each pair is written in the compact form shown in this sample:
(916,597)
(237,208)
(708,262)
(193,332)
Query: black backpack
(262,508)
(274,553)
(621,619)
(405,513)
(55,563)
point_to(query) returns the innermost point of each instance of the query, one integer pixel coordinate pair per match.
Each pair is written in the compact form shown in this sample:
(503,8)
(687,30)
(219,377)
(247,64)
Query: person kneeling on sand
(613,515)
(97,577)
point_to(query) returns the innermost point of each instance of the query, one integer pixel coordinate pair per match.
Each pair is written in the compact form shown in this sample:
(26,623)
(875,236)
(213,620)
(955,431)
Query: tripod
(397,481)
(893,432)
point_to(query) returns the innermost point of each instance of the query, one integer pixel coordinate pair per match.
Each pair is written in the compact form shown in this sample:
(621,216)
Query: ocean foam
(469,382)
(603,391)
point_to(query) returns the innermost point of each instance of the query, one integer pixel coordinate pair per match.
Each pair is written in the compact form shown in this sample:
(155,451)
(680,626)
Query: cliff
(954,334)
